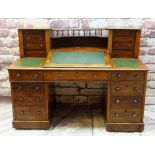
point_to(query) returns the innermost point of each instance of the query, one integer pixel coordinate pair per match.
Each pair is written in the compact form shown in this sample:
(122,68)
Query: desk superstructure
(45,59)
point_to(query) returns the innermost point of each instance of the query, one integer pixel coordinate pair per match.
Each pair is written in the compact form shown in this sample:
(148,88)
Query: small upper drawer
(27,75)
(127,88)
(33,32)
(127,76)
(77,75)
(123,45)
(34,39)
(123,38)
(124,33)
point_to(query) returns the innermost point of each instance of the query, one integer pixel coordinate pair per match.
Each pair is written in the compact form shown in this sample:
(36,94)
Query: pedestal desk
(46,57)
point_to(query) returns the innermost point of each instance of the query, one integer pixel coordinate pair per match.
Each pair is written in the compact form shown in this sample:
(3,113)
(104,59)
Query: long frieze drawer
(126,101)
(125,116)
(77,75)
(123,38)
(124,33)
(34,32)
(127,88)
(29,114)
(27,75)
(123,45)
(127,76)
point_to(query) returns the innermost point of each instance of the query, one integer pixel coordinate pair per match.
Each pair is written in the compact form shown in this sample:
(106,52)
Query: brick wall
(76,92)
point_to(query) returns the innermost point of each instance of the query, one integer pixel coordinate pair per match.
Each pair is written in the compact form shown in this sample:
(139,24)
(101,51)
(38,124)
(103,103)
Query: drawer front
(123,45)
(27,75)
(34,87)
(27,99)
(126,101)
(34,39)
(31,45)
(127,76)
(125,116)
(127,88)
(123,38)
(29,114)
(35,53)
(79,75)
(33,32)
(122,54)
(124,33)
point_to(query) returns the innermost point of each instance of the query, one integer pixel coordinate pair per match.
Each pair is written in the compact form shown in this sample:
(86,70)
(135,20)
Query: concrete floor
(72,121)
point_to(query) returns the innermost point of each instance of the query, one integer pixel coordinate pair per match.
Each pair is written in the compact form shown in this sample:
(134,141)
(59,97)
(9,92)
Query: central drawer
(77,75)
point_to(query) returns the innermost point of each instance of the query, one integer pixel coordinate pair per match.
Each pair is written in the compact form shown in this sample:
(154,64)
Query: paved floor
(72,121)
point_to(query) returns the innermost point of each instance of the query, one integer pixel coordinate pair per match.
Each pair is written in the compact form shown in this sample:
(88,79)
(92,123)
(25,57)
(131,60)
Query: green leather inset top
(30,62)
(125,62)
(78,58)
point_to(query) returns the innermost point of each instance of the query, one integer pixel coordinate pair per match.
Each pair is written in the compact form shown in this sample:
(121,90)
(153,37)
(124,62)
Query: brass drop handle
(116,45)
(129,45)
(18,75)
(117,88)
(22,112)
(41,45)
(116,114)
(130,39)
(41,38)
(28,38)
(134,115)
(28,45)
(117,101)
(134,100)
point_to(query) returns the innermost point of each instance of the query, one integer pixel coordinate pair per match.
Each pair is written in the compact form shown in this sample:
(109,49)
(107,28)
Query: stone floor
(72,121)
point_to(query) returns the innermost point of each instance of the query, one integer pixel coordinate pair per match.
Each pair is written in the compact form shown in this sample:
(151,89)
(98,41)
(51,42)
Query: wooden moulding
(125,127)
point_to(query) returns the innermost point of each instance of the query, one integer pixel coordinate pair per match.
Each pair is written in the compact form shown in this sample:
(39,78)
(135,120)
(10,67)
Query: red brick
(66,91)
(80,100)
(91,92)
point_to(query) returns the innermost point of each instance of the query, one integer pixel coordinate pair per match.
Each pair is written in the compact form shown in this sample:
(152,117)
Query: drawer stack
(32,101)
(126,101)
(34,43)
(124,43)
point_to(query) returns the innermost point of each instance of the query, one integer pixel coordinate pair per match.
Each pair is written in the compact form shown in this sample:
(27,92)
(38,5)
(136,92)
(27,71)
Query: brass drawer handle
(37,98)
(130,39)
(41,45)
(129,45)
(22,112)
(28,38)
(118,88)
(135,88)
(59,75)
(117,101)
(118,75)
(18,75)
(36,87)
(134,115)
(36,75)
(41,38)
(94,76)
(19,87)
(20,98)
(38,112)
(116,114)
(28,45)
(135,101)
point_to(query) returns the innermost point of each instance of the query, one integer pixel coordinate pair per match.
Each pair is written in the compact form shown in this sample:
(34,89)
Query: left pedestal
(32,105)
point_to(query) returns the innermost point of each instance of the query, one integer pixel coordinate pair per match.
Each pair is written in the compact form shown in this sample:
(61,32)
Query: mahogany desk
(117,66)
